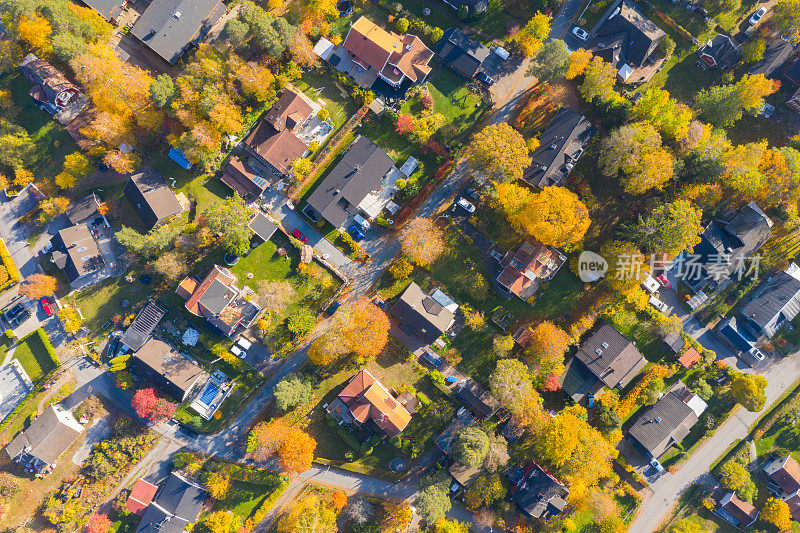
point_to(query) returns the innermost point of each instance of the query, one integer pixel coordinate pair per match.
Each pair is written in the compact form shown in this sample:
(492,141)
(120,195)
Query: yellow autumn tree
(578,61)
(499,151)
(555,216)
(530,38)
(35,30)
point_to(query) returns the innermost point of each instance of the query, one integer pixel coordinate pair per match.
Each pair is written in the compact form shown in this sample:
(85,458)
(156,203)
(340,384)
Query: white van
(658,304)
(361,221)
(650,284)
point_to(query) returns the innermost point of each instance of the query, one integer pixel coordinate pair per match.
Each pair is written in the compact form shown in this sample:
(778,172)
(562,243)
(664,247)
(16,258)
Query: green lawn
(319,85)
(493,21)
(243,498)
(33,356)
(50,138)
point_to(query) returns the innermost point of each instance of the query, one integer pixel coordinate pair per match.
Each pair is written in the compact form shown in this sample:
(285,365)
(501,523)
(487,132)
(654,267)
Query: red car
(47,306)
(299,236)
(662,279)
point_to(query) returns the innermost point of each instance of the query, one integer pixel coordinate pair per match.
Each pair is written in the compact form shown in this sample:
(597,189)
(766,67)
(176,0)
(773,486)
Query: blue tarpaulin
(178,156)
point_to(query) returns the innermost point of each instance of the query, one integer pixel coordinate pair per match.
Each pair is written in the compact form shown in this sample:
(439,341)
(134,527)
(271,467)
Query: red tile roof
(140,497)
(689,358)
(367,398)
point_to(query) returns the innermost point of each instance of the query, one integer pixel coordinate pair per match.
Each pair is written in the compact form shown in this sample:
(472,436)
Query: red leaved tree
(143,402)
(405,124)
(98,523)
(162,411)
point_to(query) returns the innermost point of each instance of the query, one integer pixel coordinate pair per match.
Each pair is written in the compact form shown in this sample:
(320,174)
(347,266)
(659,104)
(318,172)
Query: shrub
(401,25)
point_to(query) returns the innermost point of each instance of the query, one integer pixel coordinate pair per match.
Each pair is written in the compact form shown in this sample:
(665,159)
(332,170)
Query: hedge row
(47,345)
(269,501)
(11,268)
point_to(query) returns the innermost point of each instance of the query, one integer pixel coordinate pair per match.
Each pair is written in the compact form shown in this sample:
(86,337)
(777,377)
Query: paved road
(667,488)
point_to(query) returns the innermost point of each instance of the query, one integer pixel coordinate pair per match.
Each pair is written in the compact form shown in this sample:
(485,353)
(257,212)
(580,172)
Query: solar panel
(261,182)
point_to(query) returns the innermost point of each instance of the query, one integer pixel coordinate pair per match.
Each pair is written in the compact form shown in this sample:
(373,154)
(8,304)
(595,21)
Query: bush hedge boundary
(11,268)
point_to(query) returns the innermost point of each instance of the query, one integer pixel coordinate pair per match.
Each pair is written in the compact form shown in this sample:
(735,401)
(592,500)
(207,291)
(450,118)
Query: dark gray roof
(462,52)
(177,504)
(665,423)
(217,297)
(561,144)
(424,315)
(776,54)
(82,209)
(792,73)
(674,341)
(480,402)
(168,27)
(537,493)
(626,36)
(611,356)
(262,226)
(721,50)
(163,359)
(358,173)
(151,197)
(143,326)
(75,252)
(777,295)
(446,437)
(109,9)
(577,381)
(736,336)
(738,238)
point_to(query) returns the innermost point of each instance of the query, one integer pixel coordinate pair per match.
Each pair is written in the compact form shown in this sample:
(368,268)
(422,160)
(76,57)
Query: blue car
(333,307)
(590,400)
(356,232)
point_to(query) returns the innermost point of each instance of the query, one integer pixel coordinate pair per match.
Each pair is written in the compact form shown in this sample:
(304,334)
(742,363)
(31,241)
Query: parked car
(356,232)
(362,222)
(590,400)
(662,279)
(47,247)
(484,78)
(757,16)
(299,236)
(658,304)
(431,359)
(580,33)
(15,311)
(656,465)
(46,306)
(472,193)
(332,308)
(758,354)
(465,205)
(502,52)
(235,350)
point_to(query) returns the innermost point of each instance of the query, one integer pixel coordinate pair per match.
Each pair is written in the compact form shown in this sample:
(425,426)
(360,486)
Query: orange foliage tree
(422,241)
(267,438)
(38,286)
(297,452)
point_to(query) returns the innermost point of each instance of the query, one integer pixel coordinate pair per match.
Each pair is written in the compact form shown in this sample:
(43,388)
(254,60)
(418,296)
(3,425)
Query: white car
(238,352)
(466,205)
(758,15)
(758,354)
(580,33)
(658,304)
(502,52)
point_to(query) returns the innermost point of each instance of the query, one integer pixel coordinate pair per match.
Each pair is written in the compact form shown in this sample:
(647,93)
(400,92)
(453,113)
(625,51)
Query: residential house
(394,58)
(606,358)
(478,401)
(108,9)
(461,52)
(40,446)
(141,329)
(463,419)
(343,191)
(667,422)
(736,512)
(792,71)
(168,369)
(422,315)
(140,497)
(217,299)
(273,141)
(263,227)
(152,198)
(365,401)
(76,253)
(51,90)
(176,506)
(783,481)
(720,52)
(674,342)
(170,27)
(628,40)
(527,267)
(794,101)
(476,7)
(82,210)
(560,147)
(244,180)
(776,302)
(776,55)
(725,246)
(740,340)
(538,494)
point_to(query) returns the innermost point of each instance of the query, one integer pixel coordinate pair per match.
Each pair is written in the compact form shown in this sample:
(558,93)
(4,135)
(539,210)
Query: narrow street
(668,487)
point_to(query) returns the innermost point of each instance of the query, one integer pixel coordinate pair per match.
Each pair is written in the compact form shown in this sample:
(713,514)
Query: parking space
(506,74)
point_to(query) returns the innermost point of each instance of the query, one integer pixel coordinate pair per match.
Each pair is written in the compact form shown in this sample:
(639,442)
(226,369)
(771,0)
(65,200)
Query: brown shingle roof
(167,361)
(278,148)
(193,303)
(290,111)
(241,179)
(413,58)
(741,510)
